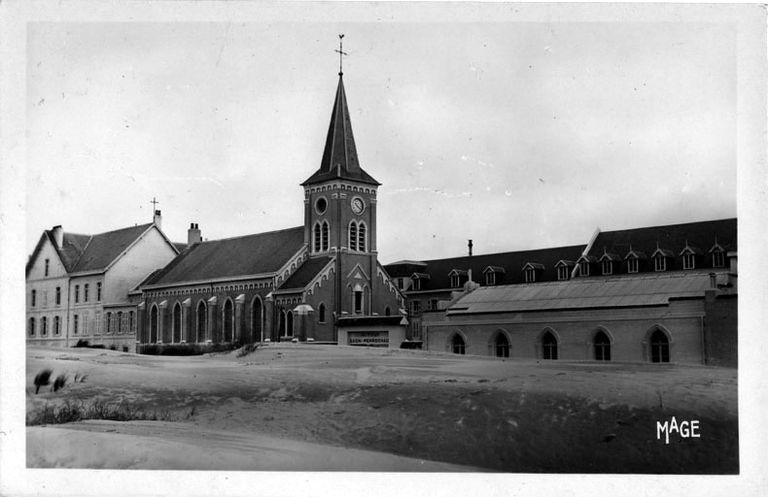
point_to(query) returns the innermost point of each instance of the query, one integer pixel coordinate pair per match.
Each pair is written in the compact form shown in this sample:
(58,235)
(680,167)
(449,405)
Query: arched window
(256,320)
(31,327)
(56,325)
(361,237)
(153,325)
(358,301)
(289,324)
(176,338)
(501,345)
(321,313)
(353,236)
(602,346)
(109,323)
(457,344)
(387,311)
(317,238)
(130,322)
(228,330)
(44,326)
(201,328)
(549,346)
(120,322)
(326,236)
(281,324)
(659,346)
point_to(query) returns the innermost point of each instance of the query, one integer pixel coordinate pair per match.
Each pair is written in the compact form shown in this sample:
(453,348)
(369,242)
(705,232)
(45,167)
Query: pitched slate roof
(90,252)
(650,289)
(340,154)
(241,256)
(672,239)
(306,273)
(511,262)
(104,248)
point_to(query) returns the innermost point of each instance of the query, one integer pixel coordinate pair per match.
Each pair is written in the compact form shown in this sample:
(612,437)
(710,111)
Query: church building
(320,282)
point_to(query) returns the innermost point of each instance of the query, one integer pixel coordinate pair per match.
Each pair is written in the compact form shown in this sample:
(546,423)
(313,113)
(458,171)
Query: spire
(340,154)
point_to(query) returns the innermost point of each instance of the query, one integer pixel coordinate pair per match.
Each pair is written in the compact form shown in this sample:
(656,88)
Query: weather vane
(341,53)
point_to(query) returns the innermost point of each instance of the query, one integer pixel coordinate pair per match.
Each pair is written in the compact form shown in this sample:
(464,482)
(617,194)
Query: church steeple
(340,155)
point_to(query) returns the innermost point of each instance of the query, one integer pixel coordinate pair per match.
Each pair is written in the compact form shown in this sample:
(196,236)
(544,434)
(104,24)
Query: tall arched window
(353,236)
(120,322)
(31,327)
(176,338)
(281,324)
(289,324)
(457,344)
(317,238)
(130,322)
(153,325)
(256,320)
(44,326)
(109,323)
(201,328)
(501,345)
(549,346)
(321,313)
(326,235)
(57,325)
(659,346)
(602,346)
(361,237)
(228,331)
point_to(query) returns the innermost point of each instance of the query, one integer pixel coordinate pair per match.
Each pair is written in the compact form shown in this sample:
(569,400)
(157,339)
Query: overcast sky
(517,135)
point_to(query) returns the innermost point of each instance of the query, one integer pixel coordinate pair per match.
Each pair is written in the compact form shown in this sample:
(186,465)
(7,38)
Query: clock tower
(340,218)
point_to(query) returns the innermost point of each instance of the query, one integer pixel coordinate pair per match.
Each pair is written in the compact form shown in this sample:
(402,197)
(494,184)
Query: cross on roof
(154,203)
(341,53)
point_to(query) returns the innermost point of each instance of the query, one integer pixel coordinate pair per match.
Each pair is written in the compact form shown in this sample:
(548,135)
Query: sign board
(368,338)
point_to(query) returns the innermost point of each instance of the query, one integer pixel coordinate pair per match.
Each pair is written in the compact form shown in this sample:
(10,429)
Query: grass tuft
(72,411)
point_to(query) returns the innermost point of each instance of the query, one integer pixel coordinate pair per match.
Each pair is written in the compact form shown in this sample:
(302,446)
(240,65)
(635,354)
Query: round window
(321,205)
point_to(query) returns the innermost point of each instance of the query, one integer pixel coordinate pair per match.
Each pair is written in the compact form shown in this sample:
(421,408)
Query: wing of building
(654,294)
(313,282)
(77,285)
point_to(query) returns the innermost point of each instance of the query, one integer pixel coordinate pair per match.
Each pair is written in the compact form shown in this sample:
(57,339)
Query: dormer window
(607,266)
(530,275)
(632,264)
(718,258)
(718,255)
(584,268)
(494,275)
(564,269)
(689,261)
(416,280)
(585,265)
(458,277)
(659,263)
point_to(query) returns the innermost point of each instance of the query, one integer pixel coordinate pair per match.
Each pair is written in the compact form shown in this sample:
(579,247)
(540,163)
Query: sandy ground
(297,407)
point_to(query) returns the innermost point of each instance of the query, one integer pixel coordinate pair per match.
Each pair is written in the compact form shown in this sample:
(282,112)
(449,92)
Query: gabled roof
(306,273)
(340,154)
(104,248)
(511,262)
(91,252)
(649,289)
(261,253)
(673,237)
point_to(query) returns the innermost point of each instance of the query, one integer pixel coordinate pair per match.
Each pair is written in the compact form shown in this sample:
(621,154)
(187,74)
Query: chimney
(193,234)
(158,219)
(469,246)
(58,235)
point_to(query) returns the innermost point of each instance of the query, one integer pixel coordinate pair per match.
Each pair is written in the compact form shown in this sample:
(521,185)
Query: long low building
(654,294)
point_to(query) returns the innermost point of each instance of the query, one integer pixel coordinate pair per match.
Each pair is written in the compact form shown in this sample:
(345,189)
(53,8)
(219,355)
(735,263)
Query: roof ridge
(673,225)
(248,235)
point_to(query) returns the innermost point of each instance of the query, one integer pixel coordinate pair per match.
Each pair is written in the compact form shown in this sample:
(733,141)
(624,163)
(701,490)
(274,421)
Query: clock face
(358,206)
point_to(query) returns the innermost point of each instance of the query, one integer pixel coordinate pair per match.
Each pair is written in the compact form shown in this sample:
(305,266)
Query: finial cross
(341,53)
(154,203)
